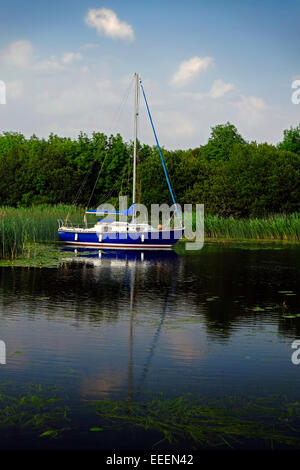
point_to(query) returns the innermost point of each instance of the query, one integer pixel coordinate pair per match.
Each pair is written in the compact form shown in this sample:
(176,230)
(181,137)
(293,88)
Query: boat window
(105,228)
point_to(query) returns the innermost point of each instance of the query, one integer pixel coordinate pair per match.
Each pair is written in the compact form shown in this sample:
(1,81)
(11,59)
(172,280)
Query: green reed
(276,227)
(22,226)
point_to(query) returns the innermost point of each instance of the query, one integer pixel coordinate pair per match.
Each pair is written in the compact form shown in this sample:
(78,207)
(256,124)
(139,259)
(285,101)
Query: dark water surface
(131,328)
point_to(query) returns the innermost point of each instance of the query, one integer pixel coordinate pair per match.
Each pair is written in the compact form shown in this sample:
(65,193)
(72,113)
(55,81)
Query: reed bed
(20,227)
(275,227)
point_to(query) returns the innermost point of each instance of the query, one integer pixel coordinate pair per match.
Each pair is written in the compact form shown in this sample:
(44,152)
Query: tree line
(229,175)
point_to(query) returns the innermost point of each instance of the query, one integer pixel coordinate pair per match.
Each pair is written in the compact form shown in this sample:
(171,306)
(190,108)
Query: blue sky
(67,65)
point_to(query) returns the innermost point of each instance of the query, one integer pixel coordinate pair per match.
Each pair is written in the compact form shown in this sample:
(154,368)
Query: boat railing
(69,224)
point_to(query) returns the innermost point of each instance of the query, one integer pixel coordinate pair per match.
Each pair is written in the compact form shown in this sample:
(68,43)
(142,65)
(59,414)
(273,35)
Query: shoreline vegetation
(23,231)
(250,191)
(230,176)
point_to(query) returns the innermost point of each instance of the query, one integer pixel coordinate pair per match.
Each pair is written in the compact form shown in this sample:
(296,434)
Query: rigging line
(121,186)
(109,193)
(74,202)
(93,190)
(119,112)
(83,183)
(155,338)
(123,178)
(159,150)
(105,197)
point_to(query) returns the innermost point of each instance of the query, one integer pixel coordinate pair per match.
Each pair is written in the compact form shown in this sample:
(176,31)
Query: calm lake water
(125,329)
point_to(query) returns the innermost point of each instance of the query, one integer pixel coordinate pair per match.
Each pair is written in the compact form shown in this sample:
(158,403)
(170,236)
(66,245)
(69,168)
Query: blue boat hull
(151,240)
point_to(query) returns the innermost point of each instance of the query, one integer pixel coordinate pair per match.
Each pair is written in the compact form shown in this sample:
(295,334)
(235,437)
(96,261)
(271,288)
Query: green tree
(221,142)
(291,140)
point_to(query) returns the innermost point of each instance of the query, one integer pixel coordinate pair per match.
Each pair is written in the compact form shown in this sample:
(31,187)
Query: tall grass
(22,226)
(276,227)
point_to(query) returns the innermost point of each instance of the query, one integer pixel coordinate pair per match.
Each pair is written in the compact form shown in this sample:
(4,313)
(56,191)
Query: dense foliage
(229,175)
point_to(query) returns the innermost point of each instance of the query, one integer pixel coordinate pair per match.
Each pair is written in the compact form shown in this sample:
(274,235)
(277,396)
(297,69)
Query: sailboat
(129,233)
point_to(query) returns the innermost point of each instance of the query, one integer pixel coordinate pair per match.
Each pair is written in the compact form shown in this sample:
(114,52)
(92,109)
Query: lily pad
(52,433)
(210,299)
(96,429)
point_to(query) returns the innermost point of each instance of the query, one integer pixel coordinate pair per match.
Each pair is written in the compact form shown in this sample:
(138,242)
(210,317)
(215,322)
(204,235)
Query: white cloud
(251,109)
(250,103)
(70,57)
(81,97)
(52,64)
(189,69)
(253,101)
(61,94)
(106,22)
(220,88)
(15,88)
(18,53)
(174,123)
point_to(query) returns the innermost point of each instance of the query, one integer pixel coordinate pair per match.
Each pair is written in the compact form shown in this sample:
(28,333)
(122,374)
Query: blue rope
(160,154)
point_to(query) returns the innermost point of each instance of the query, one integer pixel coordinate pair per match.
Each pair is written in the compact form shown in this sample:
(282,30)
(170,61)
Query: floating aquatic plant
(41,256)
(35,409)
(226,422)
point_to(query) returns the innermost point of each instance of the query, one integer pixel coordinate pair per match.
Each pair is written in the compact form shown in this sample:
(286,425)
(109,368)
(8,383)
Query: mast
(161,157)
(136,113)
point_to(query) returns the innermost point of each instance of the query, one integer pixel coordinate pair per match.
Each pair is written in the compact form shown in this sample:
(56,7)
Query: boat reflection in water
(133,268)
(121,257)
